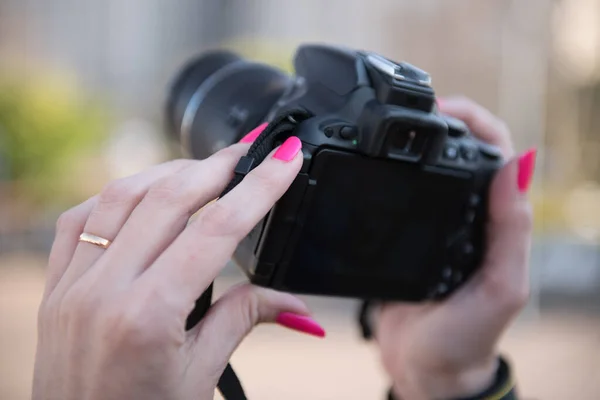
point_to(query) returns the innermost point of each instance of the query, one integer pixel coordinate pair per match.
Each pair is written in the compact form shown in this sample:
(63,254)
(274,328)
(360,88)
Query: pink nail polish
(254,133)
(439,102)
(288,149)
(300,323)
(526,168)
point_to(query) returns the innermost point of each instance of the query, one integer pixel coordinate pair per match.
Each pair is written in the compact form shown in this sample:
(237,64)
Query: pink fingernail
(254,133)
(439,102)
(288,149)
(526,168)
(300,323)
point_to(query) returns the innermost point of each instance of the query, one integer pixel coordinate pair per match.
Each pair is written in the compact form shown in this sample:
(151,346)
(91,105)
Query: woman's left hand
(448,349)
(112,321)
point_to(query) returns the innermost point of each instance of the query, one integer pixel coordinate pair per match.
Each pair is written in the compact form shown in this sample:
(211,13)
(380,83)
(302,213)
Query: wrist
(447,383)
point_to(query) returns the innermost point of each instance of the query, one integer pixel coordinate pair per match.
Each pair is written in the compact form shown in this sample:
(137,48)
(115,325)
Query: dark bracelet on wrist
(503,387)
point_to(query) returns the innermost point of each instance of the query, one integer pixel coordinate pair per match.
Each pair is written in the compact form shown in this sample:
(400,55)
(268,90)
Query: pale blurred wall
(493,51)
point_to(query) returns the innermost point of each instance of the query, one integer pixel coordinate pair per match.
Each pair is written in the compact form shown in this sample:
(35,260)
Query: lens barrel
(218,97)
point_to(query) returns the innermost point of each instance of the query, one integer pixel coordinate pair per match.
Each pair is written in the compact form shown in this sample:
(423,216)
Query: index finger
(480,121)
(197,256)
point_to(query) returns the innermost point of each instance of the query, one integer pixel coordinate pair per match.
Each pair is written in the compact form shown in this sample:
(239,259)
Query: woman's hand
(112,321)
(449,350)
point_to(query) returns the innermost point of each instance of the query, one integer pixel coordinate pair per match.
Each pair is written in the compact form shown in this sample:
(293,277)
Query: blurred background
(82,90)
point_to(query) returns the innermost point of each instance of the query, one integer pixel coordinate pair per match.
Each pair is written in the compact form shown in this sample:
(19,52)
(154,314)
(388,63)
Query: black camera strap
(281,128)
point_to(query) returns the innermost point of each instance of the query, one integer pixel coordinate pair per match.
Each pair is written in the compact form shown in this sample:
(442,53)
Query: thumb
(505,273)
(233,316)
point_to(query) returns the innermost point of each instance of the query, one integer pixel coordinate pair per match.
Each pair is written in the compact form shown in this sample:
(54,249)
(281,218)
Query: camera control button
(458,277)
(455,133)
(348,132)
(451,152)
(456,127)
(442,289)
(490,151)
(461,249)
(328,131)
(470,217)
(468,153)
(467,252)
(474,200)
(447,272)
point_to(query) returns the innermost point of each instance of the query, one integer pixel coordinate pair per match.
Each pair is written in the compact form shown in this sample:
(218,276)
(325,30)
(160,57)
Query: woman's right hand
(449,349)
(112,323)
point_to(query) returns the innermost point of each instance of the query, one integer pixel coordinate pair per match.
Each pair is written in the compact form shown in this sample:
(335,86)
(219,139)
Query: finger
(200,252)
(233,316)
(505,272)
(112,208)
(167,206)
(68,228)
(481,122)
(166,210)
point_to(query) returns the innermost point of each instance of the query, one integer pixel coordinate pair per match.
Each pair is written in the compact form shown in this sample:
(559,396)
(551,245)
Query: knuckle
(250,305)
(125,324)
(495,287)
(508,294)
(68,221)
(514,298)
(134,325)
(465,101)
(77,304)
(244,305)
(503,128)
(475,114)
(218,220)
(117,192)
(181,163)
(229,152)
(169,190)
(483,122)
(265,181)
(522,218)
(520,297)
(501,131)
(465,104)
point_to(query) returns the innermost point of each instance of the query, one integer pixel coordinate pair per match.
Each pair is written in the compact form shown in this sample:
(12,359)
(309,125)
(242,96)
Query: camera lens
(218,97)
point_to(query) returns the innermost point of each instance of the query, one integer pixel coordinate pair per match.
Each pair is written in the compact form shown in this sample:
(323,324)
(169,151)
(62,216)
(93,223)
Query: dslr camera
(391,200)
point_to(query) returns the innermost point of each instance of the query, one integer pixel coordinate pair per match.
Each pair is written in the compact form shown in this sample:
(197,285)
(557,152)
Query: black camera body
(391,200)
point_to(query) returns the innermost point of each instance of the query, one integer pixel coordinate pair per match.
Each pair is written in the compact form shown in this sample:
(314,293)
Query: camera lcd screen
(375,222)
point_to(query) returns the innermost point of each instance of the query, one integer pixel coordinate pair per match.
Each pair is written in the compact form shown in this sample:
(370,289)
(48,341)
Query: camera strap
(281,128)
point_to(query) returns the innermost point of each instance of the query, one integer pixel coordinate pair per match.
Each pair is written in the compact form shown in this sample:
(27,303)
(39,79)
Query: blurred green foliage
(45,125)
(278,54)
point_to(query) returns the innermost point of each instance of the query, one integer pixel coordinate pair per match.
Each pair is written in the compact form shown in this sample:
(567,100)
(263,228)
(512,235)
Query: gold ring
(95,240)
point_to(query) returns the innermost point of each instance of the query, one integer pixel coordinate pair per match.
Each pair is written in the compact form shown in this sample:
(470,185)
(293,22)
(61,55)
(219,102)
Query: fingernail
(288,149)
(439,102)
(254,133)
(300,323)
(526,168)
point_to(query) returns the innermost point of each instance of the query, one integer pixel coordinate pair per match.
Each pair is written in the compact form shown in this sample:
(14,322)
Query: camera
(391,199)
